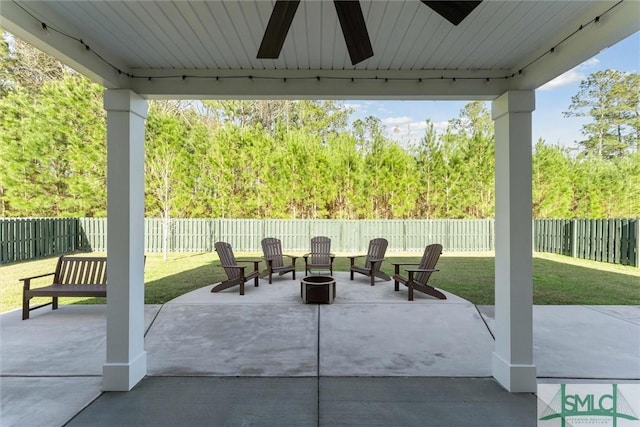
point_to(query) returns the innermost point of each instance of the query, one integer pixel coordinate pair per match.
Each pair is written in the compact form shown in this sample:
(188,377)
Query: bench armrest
(38,276)
(27,280)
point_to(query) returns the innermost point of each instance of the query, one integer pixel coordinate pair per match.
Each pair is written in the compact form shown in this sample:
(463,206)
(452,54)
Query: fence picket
(609,240)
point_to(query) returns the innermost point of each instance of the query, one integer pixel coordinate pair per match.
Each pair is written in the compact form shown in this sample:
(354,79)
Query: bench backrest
(75,270)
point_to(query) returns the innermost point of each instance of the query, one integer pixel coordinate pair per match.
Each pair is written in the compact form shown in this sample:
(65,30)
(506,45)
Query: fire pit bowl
(318,289)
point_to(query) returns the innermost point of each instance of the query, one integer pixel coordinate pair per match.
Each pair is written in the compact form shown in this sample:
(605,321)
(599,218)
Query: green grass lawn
(556,279)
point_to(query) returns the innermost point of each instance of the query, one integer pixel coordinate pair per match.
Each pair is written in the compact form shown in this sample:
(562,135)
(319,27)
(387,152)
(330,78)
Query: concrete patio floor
(371,358)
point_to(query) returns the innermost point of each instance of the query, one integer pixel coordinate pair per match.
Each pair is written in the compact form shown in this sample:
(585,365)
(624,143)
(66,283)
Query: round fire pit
(318,289)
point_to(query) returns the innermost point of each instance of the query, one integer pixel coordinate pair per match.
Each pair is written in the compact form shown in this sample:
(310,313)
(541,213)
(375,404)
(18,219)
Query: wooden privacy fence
(198,235)
(612,240)
(607,240)
(29,238)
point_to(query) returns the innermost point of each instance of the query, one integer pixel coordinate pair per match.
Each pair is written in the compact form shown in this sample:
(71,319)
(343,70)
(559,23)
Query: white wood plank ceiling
(225,35)
(167,39)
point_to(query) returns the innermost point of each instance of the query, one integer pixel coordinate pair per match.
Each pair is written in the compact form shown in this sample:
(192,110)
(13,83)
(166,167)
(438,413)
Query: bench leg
(25,307)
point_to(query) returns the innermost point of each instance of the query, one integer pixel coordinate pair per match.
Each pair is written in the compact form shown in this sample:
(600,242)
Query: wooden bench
(75,276)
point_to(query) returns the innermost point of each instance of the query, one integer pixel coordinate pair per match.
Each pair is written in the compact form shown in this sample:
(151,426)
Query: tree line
(297,159)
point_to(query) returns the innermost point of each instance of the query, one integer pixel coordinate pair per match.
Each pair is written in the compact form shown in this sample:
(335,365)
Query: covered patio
(370,358)
(502,51)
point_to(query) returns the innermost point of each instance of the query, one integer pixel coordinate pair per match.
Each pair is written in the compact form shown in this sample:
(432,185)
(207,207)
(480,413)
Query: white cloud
(354,107)
(565,79)
(441,126)
(576,74)
(396,120)
(590,63)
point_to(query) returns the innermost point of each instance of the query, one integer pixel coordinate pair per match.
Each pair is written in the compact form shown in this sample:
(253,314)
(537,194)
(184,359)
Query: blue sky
(405,120)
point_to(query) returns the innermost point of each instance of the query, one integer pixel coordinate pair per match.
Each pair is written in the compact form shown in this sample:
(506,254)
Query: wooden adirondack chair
(373,261)
(272,251)
(235,272)
(418,277)
(320,257)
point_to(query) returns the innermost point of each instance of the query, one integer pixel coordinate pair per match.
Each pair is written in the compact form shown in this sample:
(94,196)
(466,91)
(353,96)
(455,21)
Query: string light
(46,28)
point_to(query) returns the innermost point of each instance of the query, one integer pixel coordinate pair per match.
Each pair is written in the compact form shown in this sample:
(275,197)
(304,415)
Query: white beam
(512,364)
(69,51)
(126,362)
(320,84)
(621,21)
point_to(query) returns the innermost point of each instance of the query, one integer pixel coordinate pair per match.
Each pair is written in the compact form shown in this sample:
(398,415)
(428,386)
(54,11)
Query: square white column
(126,362)
(512,361)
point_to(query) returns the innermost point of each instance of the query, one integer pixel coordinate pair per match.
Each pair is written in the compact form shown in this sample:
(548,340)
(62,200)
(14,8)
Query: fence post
(574,238)
(637,236)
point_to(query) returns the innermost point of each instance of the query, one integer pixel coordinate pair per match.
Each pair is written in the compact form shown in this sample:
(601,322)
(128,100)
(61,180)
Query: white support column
(126,362)
(512,364)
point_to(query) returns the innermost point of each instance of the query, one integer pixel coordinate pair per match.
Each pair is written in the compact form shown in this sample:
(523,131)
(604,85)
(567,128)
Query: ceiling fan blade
(453,11)
(354,30)
(277,28)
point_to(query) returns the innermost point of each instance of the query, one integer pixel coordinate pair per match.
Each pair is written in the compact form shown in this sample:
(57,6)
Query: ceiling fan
(352,22)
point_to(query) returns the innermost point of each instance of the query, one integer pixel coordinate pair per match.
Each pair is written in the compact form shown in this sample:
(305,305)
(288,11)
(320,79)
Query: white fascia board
(320,84)
(617,24)
(69,51)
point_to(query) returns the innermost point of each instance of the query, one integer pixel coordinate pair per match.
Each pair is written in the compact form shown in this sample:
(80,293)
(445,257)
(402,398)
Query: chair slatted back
(225,253)
(272,249)
(320,250)
(428,262)
(377,249)
(73,270)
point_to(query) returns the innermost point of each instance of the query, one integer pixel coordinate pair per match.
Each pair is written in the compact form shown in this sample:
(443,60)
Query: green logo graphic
(613,406)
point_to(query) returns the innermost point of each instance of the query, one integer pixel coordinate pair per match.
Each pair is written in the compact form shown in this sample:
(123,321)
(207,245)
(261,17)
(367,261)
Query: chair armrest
(330,255)
(396,266)
(240,267)
(256,263)
(421,270)
(376,259)
(293,258)
(27,280)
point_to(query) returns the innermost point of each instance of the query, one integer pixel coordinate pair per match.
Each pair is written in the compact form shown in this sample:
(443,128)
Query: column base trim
(124,376)
(514,378)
